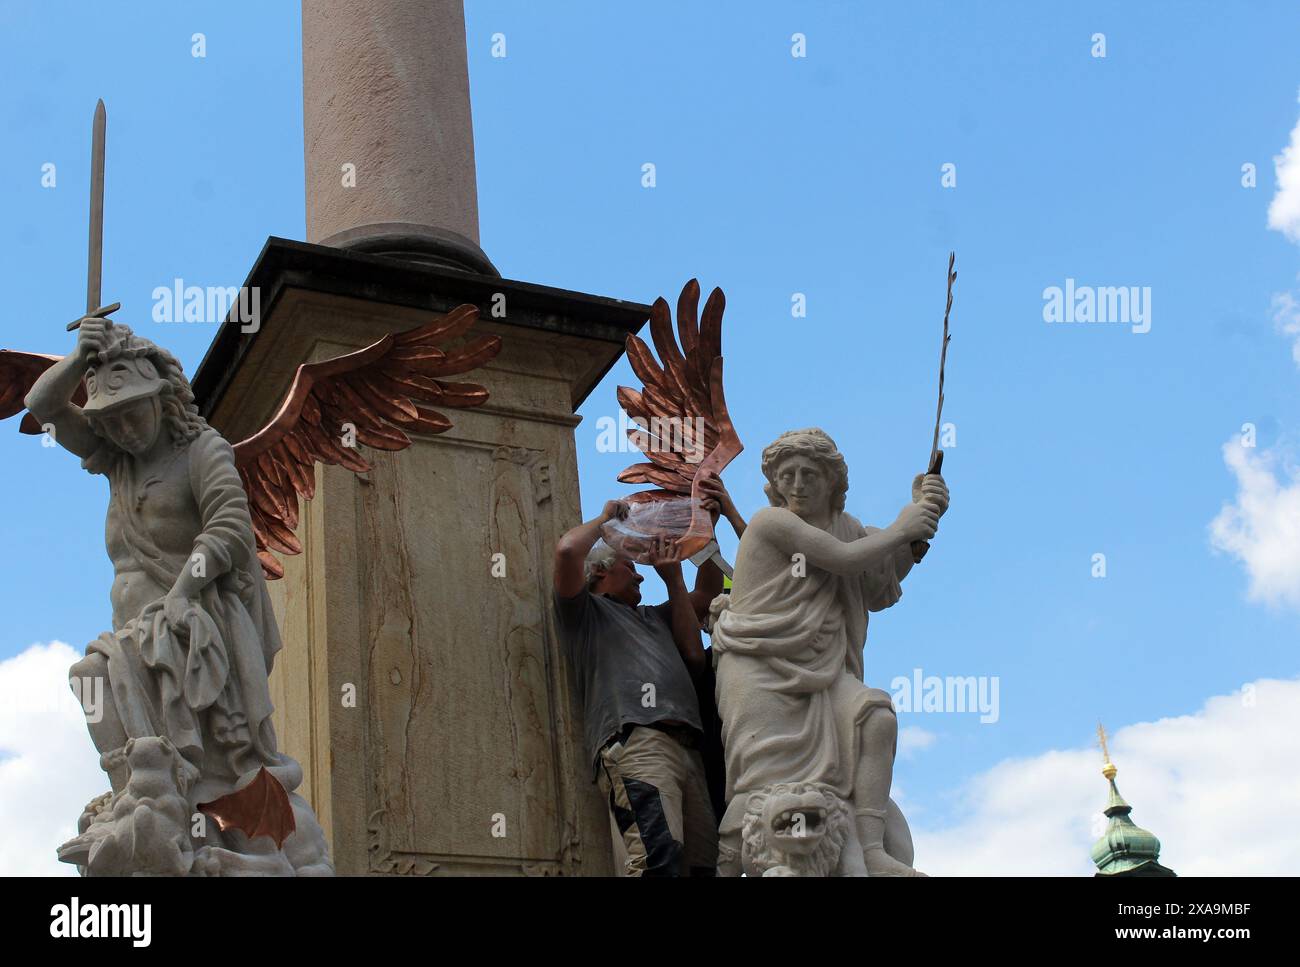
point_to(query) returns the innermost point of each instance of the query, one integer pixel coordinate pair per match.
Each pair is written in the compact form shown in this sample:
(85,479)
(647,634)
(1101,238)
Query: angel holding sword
(809,747)
(193,636)
(192,523)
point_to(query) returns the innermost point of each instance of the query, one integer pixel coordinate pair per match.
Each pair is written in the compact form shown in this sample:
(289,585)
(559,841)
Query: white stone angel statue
(198,785)
(788,652)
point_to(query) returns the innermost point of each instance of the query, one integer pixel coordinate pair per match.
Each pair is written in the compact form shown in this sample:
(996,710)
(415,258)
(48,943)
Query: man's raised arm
(572,549)
(681,616)
(708,578)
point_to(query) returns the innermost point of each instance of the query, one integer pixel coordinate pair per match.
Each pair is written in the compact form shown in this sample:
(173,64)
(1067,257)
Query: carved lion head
(793,829)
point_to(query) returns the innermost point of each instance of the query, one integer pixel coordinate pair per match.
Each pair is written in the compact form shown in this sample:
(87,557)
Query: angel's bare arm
(50,398)
(790,535)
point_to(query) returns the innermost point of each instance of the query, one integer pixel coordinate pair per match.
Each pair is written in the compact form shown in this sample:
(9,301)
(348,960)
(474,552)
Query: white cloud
(912,739)
(1286,316)
(49,769)
(1220,789)
(1261,526)
(1284,209)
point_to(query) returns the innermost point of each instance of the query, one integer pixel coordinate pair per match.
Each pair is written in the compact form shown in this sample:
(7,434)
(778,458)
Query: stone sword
(95,255)
(919,548)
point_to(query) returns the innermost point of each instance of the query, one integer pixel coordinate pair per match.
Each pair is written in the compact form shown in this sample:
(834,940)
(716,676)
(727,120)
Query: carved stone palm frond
(381,392)
(683,424)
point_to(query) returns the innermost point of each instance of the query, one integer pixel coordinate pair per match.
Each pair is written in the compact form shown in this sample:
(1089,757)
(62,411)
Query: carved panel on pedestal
(468,738)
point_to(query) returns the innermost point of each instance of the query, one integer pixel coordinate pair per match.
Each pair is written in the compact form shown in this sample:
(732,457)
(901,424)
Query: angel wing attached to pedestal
(683,427)
(373,396)
(379,393)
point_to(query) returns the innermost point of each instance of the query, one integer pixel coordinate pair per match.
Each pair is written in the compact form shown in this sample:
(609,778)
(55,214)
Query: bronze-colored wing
(683,426)
(381,393)
(18,371)
(261,808)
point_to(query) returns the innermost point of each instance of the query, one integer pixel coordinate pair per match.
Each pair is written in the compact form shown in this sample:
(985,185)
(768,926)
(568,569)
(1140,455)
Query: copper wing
(261,808)
(18,372)
(683,426)
(374,396)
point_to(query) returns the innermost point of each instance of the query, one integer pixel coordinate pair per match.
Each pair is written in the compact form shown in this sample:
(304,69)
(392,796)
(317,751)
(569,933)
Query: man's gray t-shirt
(618,650)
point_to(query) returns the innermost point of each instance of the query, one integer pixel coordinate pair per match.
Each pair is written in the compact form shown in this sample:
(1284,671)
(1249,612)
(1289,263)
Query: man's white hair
(600,559)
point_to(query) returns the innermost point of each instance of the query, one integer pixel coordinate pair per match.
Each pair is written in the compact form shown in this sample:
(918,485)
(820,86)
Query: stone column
(386,103)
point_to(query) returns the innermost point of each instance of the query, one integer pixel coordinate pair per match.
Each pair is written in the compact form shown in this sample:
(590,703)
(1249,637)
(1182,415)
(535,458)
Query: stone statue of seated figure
(798,721)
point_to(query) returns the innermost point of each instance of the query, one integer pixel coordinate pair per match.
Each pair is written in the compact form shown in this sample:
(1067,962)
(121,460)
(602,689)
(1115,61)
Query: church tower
(1125,849)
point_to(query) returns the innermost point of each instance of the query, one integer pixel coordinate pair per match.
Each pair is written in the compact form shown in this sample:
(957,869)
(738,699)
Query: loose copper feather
(681,411)
(261,808)
(382,393)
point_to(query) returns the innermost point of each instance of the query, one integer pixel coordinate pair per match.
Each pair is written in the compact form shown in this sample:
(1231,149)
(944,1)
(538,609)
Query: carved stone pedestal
(422,686)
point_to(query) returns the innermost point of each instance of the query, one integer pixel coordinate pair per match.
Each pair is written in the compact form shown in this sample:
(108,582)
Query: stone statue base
(149,827)
(805,829)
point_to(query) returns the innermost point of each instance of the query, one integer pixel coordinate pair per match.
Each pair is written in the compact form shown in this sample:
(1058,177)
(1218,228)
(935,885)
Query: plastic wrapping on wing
(645,521)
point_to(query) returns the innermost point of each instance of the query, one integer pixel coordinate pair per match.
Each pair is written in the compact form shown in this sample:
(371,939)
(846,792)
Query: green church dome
(1125,848)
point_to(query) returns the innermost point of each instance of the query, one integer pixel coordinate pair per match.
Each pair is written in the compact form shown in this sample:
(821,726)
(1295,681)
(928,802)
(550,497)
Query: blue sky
(779,175)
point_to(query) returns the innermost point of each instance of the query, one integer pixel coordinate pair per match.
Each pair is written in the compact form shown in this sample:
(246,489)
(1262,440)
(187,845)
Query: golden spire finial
(1108,770)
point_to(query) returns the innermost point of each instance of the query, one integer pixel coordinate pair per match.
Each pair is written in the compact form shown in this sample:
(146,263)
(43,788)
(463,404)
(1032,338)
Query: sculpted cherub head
(805,473)
(135,390)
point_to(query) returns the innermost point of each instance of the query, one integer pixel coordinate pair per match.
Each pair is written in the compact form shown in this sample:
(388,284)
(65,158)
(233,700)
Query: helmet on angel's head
(123,373)
(131,368)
